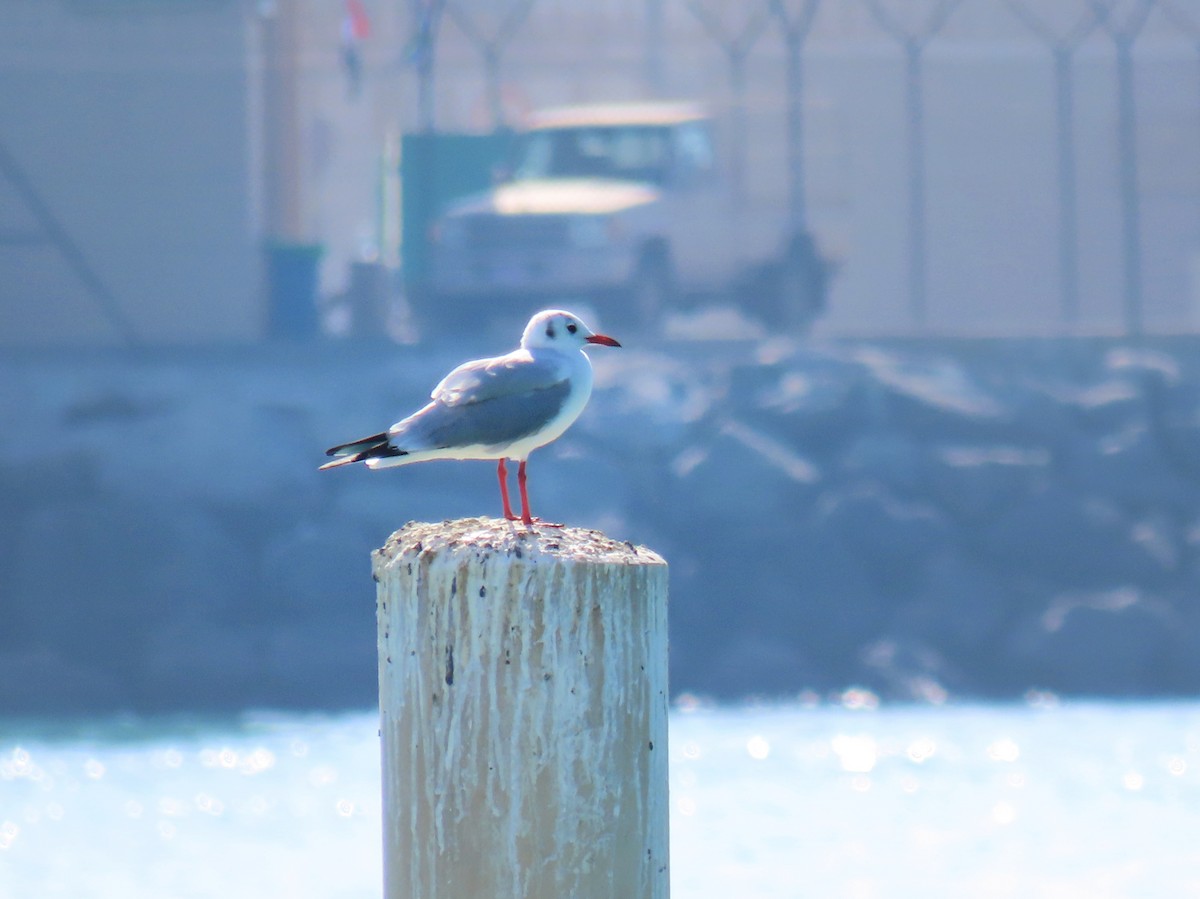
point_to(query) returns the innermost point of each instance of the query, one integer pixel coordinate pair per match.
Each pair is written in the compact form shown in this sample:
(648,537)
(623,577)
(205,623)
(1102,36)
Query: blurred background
(931,429)
(909,397)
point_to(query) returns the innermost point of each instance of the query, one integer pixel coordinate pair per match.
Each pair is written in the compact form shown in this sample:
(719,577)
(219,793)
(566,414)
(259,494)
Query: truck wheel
(799,288)
(651,290)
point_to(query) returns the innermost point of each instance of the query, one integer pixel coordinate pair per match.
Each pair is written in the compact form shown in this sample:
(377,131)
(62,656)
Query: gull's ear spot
(550,330)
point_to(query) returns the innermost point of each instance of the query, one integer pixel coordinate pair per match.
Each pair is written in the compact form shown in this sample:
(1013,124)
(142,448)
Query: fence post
(523,707)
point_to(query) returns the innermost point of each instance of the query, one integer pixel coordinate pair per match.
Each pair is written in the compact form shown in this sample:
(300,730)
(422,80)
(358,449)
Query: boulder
(815,402)
(891,538)
(958,605)
(895,460)
(907,670)
(1058,536)
(1129,467)
(975,483)
(930,396)
(1115,643)
(734,472)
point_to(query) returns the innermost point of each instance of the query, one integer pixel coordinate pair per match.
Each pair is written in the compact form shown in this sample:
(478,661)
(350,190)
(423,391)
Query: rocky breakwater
(978,517)
(975,518)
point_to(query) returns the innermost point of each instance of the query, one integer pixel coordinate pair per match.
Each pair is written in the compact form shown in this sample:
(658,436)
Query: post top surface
(498,536)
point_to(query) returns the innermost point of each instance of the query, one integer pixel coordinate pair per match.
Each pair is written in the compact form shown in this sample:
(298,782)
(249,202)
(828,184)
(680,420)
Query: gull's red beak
(602,339)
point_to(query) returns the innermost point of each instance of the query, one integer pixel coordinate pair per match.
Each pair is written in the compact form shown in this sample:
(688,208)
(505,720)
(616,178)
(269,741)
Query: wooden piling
(523,705)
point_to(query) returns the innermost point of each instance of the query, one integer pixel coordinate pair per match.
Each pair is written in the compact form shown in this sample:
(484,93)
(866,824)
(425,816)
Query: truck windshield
(626,153)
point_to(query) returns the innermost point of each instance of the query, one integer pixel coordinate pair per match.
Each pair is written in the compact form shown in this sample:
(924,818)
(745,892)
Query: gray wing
(518,373)
(492,421)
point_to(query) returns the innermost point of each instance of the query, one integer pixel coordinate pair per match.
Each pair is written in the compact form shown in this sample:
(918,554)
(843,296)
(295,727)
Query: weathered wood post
(523,705)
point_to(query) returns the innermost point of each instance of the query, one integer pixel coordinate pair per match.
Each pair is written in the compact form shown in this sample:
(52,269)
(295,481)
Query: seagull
(500,408)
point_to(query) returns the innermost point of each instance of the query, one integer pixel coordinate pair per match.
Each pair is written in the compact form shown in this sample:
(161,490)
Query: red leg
(503,473)
(525,516)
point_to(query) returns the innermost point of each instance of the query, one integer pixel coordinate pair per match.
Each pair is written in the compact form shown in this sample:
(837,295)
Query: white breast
(578,369)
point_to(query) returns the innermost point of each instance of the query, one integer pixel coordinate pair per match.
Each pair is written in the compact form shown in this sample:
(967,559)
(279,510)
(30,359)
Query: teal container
(436,169)
(293,279)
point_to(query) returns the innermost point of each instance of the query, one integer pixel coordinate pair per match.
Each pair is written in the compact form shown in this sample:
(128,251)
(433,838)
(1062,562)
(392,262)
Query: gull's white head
(555,329)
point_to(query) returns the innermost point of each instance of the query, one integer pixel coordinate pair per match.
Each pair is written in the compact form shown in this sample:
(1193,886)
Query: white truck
(626,207)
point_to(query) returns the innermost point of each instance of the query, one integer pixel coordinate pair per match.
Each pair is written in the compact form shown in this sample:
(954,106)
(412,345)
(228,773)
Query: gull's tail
(374,447)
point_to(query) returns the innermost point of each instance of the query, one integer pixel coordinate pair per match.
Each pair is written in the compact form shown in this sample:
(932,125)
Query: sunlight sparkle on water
(18,764)
(857,754)
(167,758)
(209,804)
(1004,750)
(921,749)
(836,798)
(1004,812)
(758,747)
(859,699)
(322,776)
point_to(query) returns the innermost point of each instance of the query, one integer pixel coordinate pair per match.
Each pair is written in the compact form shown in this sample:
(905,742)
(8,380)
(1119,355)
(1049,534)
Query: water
(849,800)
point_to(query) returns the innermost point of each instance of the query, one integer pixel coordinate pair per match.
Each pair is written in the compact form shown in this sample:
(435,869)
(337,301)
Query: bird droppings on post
(493,535)
(530,678)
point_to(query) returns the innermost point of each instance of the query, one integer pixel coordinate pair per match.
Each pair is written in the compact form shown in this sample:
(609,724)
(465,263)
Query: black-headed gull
(501,408)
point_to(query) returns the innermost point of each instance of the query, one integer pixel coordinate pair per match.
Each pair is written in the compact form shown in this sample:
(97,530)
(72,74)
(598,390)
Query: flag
(358,26)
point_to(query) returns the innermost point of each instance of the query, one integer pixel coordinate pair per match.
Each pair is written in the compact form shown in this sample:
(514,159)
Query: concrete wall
(991,167)
(139,124)
(131,122)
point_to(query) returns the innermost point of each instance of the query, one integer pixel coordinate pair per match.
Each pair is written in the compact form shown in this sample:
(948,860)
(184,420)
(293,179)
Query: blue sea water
(845,799)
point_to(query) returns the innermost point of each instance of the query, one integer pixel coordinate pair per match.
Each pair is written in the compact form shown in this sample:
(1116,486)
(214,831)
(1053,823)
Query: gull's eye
(572,327)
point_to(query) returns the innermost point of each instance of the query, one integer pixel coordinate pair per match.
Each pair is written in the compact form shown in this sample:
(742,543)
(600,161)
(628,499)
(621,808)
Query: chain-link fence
(970,164)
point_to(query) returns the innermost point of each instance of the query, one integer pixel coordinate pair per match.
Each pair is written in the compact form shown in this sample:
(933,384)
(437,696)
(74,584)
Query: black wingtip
(354,446)
(343,455)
